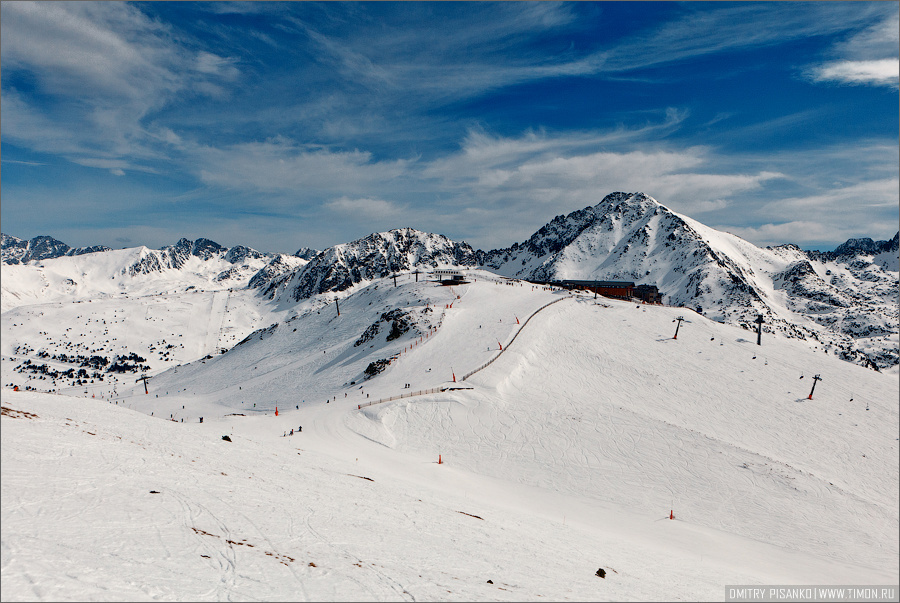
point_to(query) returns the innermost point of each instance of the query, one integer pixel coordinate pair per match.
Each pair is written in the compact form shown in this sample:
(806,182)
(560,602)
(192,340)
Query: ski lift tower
(678,326)
(759,324)
(144,378)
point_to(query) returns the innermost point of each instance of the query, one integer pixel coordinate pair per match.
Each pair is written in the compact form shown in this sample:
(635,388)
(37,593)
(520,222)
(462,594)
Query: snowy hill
(632,237)
(132,271)
(563,455)
(109,317)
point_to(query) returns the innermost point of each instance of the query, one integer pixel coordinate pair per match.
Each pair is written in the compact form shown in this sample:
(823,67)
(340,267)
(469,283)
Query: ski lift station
(449,276)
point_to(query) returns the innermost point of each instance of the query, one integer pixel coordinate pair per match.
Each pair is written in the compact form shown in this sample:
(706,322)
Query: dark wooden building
(619,289)
(648,293)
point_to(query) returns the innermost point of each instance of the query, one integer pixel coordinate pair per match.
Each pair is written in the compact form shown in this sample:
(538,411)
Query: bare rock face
(376,256)
(174,257)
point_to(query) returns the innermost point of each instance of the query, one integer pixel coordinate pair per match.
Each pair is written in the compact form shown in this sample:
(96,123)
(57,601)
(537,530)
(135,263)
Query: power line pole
(417,274)
(759,323)
(395,279)
(338,306)
(816,378)
(678,326)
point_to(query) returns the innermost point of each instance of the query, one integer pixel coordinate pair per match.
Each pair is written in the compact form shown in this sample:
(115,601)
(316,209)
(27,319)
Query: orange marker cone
(439,460)
(517,320)
(671,514)
(276,411)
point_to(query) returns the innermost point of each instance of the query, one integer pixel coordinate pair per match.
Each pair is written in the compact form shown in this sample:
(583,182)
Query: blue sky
(287,125)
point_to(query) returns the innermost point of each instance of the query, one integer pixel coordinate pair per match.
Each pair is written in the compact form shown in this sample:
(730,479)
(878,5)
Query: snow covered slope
(562,456)
(108,317)
(632,237)
(132,271)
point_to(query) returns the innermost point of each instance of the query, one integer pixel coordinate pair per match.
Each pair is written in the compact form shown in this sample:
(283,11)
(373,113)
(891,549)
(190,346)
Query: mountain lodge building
(618,289)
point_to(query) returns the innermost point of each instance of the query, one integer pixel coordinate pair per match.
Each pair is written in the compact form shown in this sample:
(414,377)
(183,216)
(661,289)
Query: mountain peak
(376,255)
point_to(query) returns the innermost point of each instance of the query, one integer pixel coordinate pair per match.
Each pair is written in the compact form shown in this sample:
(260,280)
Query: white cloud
(877,41)
(702,30)
(280,165)
(116,167)
(869,57)
(17,162)
(365,208)
(881,72)
(90,50)
(798,232)
(516,184)
(542,170)
(836,214)
(99,69)
(841,201)
(206,62)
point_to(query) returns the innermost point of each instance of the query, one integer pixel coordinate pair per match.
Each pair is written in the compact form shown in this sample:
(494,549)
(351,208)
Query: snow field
(292,518)
(257,519)
(570,408)
(571,448)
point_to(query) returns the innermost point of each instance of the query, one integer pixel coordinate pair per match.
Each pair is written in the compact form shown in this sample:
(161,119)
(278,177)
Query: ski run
(595,440)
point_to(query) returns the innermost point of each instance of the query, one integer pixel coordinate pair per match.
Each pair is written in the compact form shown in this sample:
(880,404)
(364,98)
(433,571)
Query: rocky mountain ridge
(175,256)
(375,256)
(844,301)
(14,250)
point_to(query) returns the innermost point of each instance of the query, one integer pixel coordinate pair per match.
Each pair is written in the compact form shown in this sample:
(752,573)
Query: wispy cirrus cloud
(102,66)
(703,31)
(869,57)
(281,165)
(834,215)
(511,183)
(478,120)
(460,54)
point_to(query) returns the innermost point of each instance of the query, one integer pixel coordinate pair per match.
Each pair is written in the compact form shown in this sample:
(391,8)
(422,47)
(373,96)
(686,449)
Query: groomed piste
(595,441)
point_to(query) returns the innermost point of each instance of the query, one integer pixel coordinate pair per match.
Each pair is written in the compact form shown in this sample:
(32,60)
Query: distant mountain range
(20,251)
(846,299)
